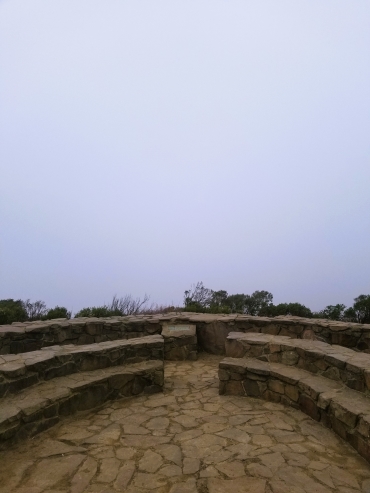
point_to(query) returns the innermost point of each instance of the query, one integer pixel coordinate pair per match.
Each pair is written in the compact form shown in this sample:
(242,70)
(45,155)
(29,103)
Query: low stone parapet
(344,410)
(25,369)
(333,362)
(38,408)
(180,342)
(212,330)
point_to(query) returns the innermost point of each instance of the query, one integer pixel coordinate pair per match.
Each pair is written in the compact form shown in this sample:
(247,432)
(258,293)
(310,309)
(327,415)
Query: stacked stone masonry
(212,330)
(180,342)
(18,371)
(38,388)
(274,371)
(334,362)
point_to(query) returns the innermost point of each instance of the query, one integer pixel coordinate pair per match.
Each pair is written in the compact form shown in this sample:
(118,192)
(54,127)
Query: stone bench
(38,408)
(333,362)
(344,410)
(180,342)
(212,330)
(25,369)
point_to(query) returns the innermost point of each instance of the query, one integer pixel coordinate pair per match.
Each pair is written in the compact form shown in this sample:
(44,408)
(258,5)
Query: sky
(149,145)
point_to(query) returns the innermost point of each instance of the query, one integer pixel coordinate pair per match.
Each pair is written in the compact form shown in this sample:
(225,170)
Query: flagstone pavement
(186,440)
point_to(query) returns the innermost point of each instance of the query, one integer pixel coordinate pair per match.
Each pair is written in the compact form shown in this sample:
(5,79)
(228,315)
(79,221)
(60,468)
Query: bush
(12,311)
(126,305)
(57,312)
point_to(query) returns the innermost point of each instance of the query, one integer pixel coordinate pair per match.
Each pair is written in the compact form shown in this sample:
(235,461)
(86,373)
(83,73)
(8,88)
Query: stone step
(26,369)
(37,408)
(335,362)
(344,410)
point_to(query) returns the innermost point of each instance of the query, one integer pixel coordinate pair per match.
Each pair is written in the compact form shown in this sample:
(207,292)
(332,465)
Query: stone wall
(26,369)
(344,410)
(212,330)
(42,406)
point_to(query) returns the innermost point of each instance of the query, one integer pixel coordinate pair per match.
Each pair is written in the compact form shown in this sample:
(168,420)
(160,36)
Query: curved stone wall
(212,330)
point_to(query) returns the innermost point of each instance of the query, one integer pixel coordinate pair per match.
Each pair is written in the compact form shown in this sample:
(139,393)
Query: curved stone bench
(344,410)
(334,362)
(25,369)
(39,407)
(212,330)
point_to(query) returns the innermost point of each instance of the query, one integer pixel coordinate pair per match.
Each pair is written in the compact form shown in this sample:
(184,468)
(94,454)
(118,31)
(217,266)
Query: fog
(148,145)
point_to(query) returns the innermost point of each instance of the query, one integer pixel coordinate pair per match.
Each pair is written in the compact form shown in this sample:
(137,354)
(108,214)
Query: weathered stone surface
(240,485)
(36,409)
(230,442)
(332,362)
(57,361)
(180,342)
(345,409)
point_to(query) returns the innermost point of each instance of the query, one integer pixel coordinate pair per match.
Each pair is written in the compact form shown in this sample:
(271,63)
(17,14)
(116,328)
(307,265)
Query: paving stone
(124,476)
(236,444)
(84,475)
(191,465)
(49,472)
(233,469)
(150,462)
(241,485)
(185,487)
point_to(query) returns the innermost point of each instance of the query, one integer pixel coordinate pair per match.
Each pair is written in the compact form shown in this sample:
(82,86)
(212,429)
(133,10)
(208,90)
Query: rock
(239,485)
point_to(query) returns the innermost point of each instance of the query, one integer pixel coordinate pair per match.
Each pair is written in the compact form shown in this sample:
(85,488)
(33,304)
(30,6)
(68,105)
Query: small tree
(236,303)
(332,312)
(36,310)
(197,298)
(361,307)
(258,302)
(128,305)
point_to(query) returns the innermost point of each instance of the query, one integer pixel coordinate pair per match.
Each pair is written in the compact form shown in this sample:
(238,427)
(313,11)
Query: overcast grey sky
(148,145)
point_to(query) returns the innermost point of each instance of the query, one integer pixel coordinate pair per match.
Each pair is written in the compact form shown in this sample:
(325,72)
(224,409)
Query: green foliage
(22,311)
(294,309)
(359,312)
(12,311)
(198,298)
(361,307)
(258,303)
(236,303)
(57,312)
(332,312)
(201,299)
(96,311)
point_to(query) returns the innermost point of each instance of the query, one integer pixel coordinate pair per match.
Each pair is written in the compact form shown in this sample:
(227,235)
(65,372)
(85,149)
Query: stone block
(251,388)
(292,392)
(289,358)
(235,349)
(180,341)
(271,396)
(119,381)
(309,406)
(234,387)
(223,375)
(276,386)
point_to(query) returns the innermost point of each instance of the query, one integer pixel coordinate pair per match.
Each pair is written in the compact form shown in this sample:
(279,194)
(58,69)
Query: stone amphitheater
(185,403)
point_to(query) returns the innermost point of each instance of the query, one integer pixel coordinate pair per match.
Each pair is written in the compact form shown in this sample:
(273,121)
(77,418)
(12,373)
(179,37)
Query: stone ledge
(334,362)
(344,410)
(38,408)
(212,330)
(25,369)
